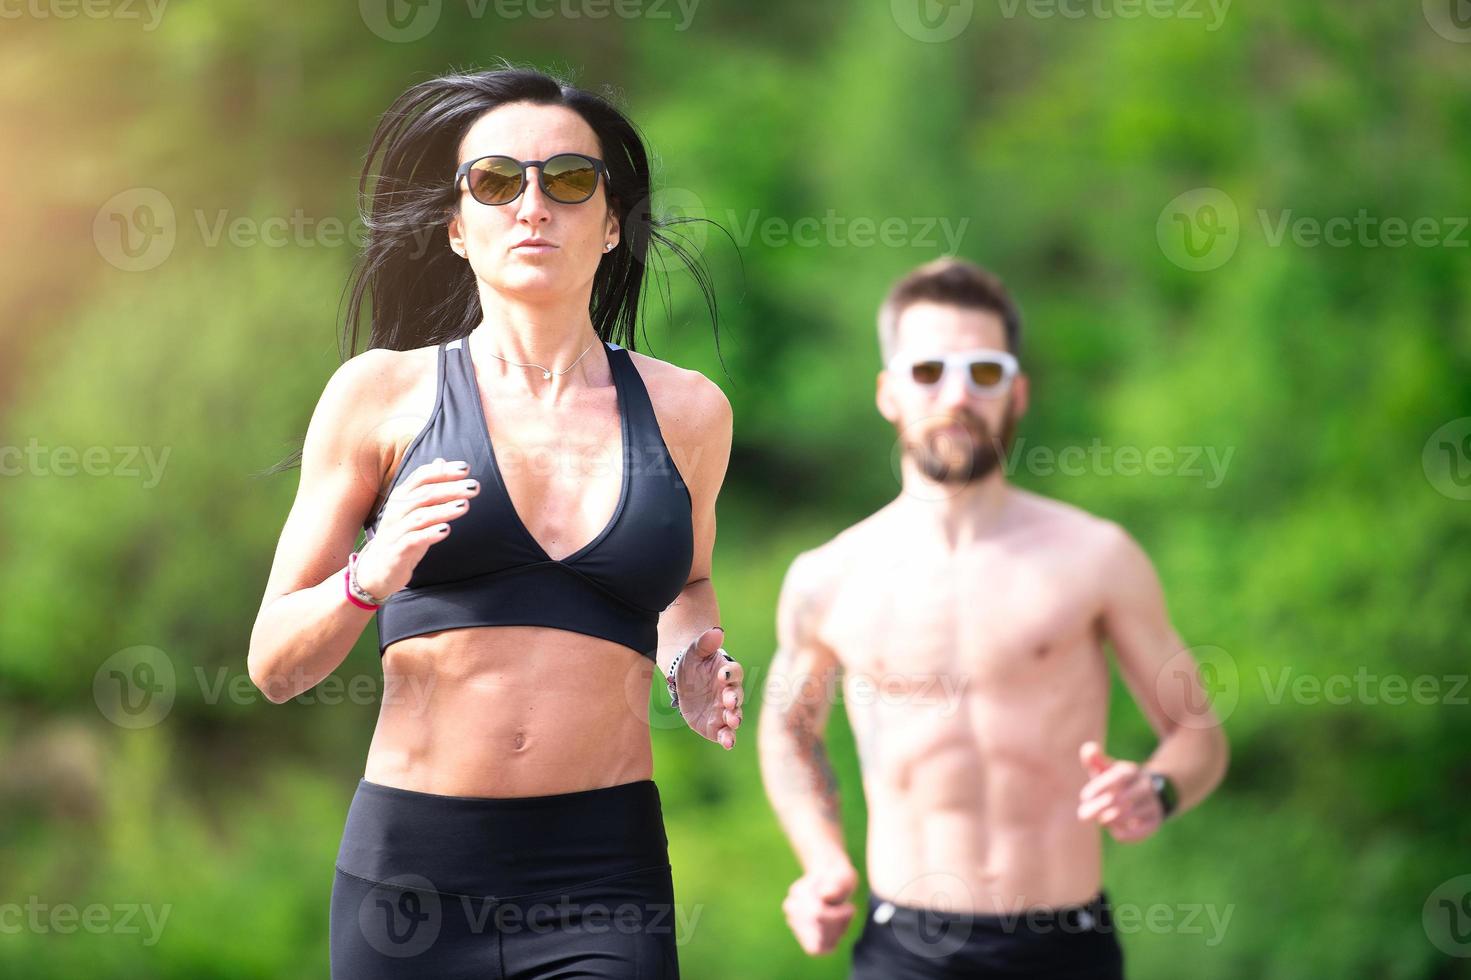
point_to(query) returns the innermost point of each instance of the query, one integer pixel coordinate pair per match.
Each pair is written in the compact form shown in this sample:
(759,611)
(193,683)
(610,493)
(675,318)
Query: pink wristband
(347,584)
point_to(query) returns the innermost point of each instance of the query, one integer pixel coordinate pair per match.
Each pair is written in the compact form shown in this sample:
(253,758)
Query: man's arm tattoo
(799,718)
(811,757)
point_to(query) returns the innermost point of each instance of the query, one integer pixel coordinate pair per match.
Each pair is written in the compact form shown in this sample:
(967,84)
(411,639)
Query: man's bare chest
(986,619)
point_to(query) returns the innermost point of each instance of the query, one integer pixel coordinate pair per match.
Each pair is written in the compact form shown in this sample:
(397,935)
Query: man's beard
(950,459)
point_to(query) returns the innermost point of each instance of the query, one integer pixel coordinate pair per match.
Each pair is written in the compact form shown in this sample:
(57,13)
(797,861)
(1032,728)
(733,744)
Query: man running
(966,622)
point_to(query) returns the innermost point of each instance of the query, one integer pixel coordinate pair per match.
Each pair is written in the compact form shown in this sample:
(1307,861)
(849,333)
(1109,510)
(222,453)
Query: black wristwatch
(1165,790)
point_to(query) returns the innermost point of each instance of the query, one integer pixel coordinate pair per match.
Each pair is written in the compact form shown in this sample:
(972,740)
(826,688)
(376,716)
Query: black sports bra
(490,571)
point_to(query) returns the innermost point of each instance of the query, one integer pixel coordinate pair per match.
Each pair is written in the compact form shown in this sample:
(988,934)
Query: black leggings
(455,887)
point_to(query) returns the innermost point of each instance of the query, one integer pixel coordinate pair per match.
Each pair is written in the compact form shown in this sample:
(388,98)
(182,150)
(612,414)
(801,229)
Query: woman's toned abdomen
(511,711)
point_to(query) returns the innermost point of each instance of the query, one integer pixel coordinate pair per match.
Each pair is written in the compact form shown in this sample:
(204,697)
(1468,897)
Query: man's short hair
(949,282)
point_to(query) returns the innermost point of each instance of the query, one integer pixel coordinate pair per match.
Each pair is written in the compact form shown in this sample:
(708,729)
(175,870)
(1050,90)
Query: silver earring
(608,247)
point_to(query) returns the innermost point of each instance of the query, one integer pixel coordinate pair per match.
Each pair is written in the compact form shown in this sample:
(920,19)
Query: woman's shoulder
(376,401)
(383,374)
(694,417)
(684,399)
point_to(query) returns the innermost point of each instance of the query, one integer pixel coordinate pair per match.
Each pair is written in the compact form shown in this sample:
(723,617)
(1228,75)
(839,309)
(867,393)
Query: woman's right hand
(415,515)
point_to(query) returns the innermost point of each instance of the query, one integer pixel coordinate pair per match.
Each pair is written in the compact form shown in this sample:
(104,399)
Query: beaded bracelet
(669,679)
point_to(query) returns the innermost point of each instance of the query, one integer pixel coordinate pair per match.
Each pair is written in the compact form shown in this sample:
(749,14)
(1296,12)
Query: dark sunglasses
(567,178)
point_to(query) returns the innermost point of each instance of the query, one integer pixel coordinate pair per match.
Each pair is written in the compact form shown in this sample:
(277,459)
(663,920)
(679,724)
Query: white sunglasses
(986,372)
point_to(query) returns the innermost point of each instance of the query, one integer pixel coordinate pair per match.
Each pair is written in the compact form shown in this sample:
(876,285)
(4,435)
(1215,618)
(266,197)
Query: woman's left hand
(709,683)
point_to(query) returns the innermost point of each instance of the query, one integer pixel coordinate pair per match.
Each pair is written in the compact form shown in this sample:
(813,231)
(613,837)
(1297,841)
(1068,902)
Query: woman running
(533,550)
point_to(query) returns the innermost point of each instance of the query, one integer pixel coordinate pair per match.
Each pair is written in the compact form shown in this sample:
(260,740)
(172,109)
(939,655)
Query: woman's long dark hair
(421,292)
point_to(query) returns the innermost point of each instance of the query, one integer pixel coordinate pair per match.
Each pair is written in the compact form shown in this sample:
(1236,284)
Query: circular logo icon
(1199,230)
(935,930)
(677,214)
(400,21)
(134,230)
(1447,459)
(933,21)
(1451,19)
(1447,917)
(135,687)
(398,430)
(647,697)
(401,916)
(1199,686)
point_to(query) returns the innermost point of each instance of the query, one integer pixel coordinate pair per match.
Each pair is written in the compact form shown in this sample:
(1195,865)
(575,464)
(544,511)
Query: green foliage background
(1335,546)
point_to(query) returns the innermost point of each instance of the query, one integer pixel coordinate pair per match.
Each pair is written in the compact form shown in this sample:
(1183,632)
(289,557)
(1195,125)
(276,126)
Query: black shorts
(1073,942)
(455,887)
